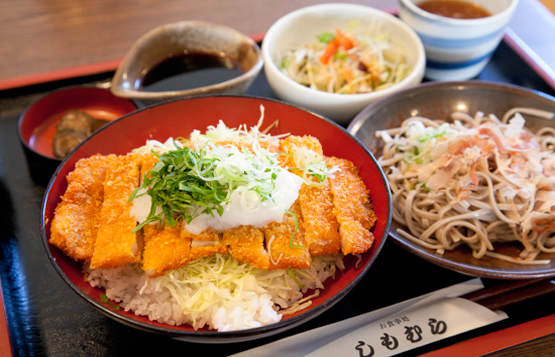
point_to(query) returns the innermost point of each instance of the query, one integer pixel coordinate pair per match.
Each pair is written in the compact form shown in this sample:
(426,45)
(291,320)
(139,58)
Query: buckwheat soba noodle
(475,181)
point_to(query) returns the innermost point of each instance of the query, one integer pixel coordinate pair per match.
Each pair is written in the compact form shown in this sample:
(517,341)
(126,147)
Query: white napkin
(390,330)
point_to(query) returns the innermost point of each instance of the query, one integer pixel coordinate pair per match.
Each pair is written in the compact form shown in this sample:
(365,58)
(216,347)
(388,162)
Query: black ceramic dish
(437,100)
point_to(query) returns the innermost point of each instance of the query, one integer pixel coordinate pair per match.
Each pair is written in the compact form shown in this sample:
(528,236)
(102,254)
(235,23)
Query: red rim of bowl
(61,100)
(359,154)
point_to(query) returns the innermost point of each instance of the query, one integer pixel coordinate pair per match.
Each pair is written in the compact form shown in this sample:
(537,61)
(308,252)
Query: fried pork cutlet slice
(165,249)
(321,226)
(246,244)
(205,244)
(75,223)
(186,246)
(284,252)
(293,144)
(116,245)
(147,163)
(164,246)
(352,207)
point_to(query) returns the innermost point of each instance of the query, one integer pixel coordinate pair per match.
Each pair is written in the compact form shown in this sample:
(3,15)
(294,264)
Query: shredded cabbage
(221,282)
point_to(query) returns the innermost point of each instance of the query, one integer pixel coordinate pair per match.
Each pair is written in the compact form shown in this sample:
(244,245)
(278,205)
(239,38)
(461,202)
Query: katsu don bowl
(216,219)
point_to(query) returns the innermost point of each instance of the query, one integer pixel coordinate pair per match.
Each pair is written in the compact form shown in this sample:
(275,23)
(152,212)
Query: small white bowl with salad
(335,59)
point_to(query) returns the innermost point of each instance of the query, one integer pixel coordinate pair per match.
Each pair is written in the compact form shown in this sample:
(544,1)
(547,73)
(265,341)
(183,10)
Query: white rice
(227,296)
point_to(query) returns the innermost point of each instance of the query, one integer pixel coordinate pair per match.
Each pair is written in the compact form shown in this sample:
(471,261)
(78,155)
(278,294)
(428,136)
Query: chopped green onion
(292,275)
(342,56)
(186,183)
(104,299)
(326,37)
(295,231)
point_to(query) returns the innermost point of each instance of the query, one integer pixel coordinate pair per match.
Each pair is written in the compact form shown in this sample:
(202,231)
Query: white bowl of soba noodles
(471,166)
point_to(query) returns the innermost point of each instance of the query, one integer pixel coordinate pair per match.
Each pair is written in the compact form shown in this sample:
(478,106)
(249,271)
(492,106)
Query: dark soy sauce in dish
(454,8)
(190,70)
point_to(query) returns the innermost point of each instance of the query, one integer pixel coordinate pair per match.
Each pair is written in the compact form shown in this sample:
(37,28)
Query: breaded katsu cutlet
(116,243)
(93,222)
(351,207)
(76,218)
(316,206)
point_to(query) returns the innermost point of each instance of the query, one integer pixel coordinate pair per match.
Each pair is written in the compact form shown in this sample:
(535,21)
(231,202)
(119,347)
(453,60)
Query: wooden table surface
(42,38)
(50,39)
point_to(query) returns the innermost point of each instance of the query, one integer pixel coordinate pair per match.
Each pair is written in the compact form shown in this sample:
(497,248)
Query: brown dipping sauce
(454,8)
(190,70)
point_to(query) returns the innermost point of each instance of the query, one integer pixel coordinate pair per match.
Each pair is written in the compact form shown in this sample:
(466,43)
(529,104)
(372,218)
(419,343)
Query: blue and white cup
(458,49)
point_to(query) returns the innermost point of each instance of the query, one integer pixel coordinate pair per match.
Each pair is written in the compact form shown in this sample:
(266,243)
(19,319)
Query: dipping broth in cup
(456,9)
(458,42)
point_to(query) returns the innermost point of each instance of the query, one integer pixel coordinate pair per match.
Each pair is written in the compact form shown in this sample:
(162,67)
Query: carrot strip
(330,50)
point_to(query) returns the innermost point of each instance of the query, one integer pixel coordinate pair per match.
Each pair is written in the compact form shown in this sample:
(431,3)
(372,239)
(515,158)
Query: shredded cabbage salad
(347,62)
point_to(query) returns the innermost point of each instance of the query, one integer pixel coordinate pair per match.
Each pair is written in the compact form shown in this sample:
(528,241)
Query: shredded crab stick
(346,41)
